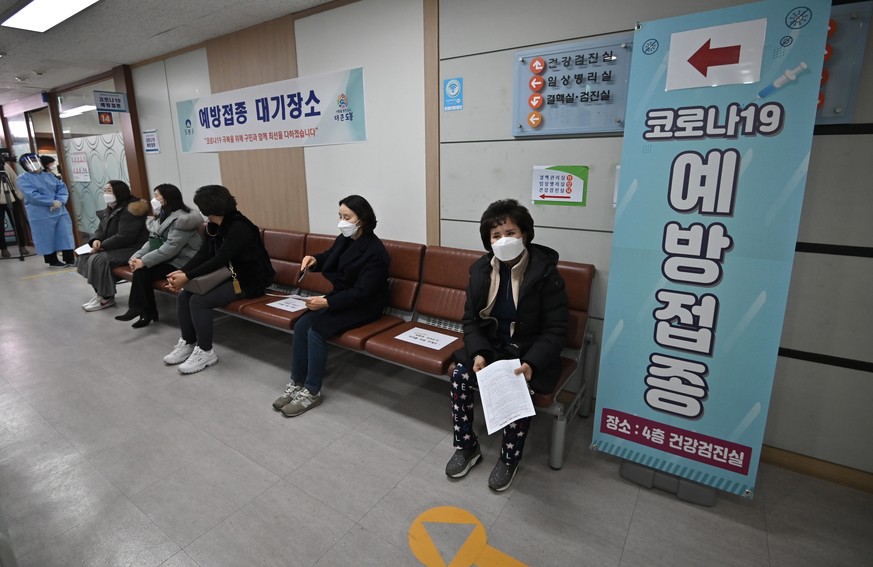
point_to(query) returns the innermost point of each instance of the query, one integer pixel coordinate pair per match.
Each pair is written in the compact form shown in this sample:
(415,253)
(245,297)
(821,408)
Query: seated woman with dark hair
(120,233)
(357,266)
(516,308)
(231,241)
(173,241)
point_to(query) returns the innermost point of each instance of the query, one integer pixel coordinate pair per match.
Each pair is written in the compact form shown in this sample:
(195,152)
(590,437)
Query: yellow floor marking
(475,550)
(49,274)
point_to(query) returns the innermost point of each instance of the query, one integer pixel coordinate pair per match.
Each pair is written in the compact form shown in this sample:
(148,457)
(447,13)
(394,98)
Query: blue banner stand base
(683,489)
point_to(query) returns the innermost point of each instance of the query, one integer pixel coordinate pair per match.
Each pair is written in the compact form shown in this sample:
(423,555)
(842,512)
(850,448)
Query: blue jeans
(310,353)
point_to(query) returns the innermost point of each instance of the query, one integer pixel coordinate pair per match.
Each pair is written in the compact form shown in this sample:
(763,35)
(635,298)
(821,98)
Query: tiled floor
(108,457)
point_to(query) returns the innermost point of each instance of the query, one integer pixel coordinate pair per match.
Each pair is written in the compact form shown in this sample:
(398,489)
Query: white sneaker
(101,303)
(91,301)
(198,360)
(180,353)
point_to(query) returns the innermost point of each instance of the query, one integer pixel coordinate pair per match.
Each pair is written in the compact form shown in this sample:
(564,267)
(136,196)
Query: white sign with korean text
(80,171)
(150,142)
(425,338)
(309,111)
(291,303)
(110,101)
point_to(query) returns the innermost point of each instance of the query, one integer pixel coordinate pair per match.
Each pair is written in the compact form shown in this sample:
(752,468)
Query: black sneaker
(57,264)
(462,461)
(501,476)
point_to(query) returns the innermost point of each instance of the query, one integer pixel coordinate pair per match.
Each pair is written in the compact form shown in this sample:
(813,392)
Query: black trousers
(142,294)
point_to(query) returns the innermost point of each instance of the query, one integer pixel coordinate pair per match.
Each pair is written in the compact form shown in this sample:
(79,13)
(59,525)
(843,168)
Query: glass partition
(93,151)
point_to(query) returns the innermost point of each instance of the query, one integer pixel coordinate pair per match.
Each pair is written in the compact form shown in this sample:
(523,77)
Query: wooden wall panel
(269,185)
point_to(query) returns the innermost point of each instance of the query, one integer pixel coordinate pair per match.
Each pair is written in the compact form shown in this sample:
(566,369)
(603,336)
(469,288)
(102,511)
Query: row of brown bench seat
(427,290)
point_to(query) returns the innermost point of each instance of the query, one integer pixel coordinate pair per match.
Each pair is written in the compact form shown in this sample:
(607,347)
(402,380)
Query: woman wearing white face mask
(173,241)
(516,308)
(121,232)
(357,266)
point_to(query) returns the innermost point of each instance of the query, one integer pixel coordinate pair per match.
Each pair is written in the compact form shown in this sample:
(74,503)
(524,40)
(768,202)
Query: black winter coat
(122,226)
(358,270)
(236,240)
(541,318)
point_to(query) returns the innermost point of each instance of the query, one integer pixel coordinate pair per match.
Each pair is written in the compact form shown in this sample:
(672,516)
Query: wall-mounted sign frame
(572,88)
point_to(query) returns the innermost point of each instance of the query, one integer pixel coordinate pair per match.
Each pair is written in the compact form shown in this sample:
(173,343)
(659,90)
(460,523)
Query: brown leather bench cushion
(404,274)
(442,295)
(286,250)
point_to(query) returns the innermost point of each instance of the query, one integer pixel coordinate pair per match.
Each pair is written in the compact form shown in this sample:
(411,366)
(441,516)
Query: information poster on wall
(308,111)
(565,185)
(80,171)
(713,170)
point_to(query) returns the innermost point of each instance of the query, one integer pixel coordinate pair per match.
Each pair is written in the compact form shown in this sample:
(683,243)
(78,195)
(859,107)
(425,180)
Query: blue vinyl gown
(52,230)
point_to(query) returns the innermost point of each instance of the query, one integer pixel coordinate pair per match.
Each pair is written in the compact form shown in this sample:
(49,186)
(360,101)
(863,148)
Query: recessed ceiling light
(77,110)
(42,15)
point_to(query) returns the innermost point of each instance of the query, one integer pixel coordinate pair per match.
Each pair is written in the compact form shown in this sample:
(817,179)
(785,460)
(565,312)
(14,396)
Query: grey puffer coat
(180,236)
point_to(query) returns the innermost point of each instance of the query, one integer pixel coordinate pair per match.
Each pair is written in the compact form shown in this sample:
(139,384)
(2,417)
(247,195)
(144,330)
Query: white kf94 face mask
(348,229)
(508,248)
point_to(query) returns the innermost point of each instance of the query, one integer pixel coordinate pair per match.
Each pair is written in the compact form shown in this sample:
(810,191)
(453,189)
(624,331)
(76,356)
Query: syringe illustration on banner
(781,80)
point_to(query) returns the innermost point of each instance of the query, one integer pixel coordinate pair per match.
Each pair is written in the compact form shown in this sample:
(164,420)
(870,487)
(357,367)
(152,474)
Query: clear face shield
(31,164)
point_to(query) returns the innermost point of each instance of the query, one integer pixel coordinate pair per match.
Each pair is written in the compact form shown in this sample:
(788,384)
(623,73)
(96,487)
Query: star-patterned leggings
(463,399)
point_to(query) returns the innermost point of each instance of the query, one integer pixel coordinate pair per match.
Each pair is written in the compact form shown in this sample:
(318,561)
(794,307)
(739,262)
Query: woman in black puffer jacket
(516,308)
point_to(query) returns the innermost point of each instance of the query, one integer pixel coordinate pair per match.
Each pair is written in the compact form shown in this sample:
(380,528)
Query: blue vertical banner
(720,117)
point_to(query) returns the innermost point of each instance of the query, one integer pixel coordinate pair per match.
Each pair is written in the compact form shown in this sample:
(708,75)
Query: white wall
(158,86)
(386,38)
(814,409)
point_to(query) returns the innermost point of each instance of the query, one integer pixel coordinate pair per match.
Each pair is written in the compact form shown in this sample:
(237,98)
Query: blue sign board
(453,94)
(713,169)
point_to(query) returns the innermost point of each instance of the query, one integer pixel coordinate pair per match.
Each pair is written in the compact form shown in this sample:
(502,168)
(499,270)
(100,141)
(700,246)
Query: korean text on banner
(309,111)
(720,119)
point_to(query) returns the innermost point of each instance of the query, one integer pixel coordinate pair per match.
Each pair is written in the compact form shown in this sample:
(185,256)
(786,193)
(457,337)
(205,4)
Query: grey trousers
(97,268)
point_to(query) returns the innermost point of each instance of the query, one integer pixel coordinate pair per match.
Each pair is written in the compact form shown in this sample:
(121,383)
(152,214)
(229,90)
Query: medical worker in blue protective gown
(44,198)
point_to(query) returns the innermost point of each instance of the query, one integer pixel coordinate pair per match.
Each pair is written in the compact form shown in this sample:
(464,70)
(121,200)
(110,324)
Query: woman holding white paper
(516,308)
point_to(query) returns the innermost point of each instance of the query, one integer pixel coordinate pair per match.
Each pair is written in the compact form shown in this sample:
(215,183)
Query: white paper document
(425,338)
(83,249)
(291,303)
(505,395)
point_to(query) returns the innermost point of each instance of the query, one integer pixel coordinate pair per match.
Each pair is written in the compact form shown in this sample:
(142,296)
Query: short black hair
(120,189)
(498,212)
(214,200)
(173,197)
(46,160)
(362,208)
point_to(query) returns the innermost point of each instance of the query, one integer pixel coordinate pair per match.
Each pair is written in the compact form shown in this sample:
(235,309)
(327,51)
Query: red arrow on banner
(707,57)
(544,196)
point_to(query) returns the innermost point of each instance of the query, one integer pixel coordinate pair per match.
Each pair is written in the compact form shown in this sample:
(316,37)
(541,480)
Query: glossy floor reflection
(108,457)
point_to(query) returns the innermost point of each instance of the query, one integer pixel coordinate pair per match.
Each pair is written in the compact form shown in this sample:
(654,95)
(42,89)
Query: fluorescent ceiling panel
(42,15)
